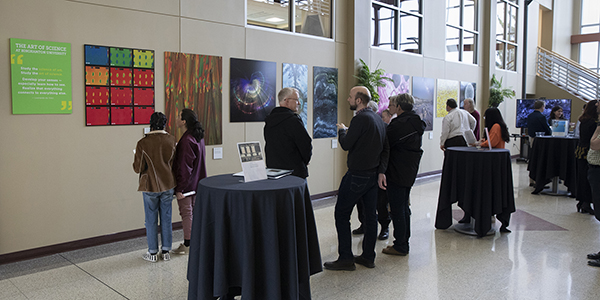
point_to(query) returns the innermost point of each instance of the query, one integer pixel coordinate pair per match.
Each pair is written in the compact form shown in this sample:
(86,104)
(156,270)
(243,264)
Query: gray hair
(405,101)
(469,100)
(285,92)
(373,106)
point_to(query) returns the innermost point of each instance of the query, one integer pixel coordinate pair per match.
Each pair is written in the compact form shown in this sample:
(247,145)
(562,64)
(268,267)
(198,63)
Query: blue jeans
(355,185)
(398,197)
(155,204)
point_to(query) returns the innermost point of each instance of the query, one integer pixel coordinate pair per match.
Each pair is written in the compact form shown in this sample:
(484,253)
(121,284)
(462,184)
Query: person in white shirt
(454,124)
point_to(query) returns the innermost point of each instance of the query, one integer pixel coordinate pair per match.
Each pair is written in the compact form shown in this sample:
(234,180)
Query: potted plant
(371,79)
(498,93)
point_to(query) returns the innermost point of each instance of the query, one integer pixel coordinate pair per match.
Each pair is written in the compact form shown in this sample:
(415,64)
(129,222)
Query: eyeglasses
(295,99)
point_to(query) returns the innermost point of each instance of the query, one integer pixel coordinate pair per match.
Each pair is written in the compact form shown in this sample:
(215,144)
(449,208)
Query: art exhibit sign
(40,77)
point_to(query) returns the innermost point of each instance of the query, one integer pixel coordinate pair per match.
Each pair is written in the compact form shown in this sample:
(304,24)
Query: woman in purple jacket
(189,168)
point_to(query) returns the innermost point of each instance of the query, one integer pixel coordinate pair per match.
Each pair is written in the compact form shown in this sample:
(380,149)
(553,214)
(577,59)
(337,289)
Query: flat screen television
(525,107)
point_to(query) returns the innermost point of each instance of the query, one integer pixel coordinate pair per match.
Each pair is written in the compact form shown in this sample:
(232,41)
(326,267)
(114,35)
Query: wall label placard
(40,77)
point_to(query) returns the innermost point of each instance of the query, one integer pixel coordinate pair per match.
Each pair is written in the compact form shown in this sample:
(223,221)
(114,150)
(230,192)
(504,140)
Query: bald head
(362,93)
(359,97)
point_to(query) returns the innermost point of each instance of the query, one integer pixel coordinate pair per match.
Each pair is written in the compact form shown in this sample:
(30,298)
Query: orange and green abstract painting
(195,81)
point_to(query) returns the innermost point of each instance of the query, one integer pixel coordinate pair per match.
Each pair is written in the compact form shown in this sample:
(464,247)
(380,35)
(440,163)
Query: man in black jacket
(404,134)
(365,143)
(536,122)
(287,144)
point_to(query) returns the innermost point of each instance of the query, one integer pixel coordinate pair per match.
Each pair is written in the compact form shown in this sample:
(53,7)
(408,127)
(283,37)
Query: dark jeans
(354,185)
(398,197)
(383,215)
(594,179)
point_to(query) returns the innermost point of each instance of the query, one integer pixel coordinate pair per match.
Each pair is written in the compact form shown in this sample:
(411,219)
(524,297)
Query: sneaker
(166,256)
(182,249)
(150,257)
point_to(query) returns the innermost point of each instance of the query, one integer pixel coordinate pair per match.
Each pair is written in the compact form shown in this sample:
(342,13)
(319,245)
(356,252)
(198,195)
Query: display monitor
(525,107)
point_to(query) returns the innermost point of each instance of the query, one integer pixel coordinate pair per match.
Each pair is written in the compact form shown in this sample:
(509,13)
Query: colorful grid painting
(121,96)
(143,77)
(120,57)
(96,95)
(119,85)
(143,96)
(142,114)
(96,55)
(120,76)
(96,75)
(97,115)
(143,59)
(121,115)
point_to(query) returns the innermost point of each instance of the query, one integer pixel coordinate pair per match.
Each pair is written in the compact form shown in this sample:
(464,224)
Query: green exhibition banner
(40,77)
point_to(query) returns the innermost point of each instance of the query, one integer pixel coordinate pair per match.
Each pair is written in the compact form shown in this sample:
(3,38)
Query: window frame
(461,33)
(505,40)
(588,37)
(291,24)
(398,13)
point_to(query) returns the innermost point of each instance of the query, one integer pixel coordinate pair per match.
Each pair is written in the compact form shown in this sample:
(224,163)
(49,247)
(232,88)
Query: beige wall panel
(343,15)
(222,11)
(433,156)
(563,10)
(63,175)
(170,7)
(208,38)
(434,45)
(434,68)
(321,173)
(254,132)
(532,44)
(461,71)
(280,47)
(235,133)
(397,62)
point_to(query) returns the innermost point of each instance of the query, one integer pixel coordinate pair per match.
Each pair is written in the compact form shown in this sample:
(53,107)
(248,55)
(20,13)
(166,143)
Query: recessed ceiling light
(274,20)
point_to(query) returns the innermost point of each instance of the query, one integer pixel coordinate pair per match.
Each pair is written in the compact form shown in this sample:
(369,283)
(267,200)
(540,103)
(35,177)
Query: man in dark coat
(287,144)
(365,142)
(536,122)
(404,135)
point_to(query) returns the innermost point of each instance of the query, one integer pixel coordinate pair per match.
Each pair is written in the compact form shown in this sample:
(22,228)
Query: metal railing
(568,74)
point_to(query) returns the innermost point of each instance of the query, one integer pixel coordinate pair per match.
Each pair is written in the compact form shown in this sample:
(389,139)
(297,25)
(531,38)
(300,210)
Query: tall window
(309,16)
(506,34)
(461,30)
(590,23)
(397,24)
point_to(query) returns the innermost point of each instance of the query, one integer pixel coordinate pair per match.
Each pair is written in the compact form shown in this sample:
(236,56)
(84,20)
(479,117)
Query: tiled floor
(543,258)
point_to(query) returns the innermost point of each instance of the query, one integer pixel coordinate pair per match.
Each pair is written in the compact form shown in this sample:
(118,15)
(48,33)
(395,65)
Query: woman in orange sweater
(496,127)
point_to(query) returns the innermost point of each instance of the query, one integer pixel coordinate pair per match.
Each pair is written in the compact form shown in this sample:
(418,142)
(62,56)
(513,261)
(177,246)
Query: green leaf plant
(498,93)
(371,79)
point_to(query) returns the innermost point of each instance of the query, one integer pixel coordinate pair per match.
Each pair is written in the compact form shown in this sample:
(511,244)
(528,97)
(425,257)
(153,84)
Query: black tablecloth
(551,157)
(260,236)
(481,182)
